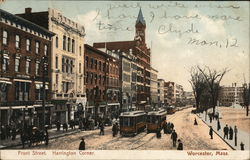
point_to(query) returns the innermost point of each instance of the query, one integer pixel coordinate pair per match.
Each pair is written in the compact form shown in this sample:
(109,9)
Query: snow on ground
(193,137)
(235,116)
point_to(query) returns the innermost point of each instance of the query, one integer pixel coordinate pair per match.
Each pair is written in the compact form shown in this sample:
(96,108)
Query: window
(68,44)
(64,42)
(17,65)
(91,63)
(96,64)
(67,64)
(5,64)
(17,41)
(56,42)
(80,67)
(104,67)
(63,65)
(56,78)
(46,50)
(71,66)
(56,62)
(73,46)
(37,68)
(100,79)
(80,50)
(22,91)
(87,61)
(27,66)
(28,45)
(100,65)
(5,37)
(37,47)
(95,78)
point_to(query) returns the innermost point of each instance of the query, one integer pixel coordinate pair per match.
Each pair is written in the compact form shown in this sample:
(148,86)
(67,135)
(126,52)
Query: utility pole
(45,65)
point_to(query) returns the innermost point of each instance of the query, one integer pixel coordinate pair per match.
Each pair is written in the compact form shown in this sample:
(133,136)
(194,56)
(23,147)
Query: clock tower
(140,27)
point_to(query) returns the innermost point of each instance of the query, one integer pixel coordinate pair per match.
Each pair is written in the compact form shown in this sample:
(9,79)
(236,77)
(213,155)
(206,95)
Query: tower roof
(140,18)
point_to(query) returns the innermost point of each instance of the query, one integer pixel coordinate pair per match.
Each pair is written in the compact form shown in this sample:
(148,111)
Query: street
(194,137)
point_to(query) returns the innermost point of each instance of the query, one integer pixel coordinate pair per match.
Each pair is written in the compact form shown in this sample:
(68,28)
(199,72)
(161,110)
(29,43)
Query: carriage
(132,123)
(156,120)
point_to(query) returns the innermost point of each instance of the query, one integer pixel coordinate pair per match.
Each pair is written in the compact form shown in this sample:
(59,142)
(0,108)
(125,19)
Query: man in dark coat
(218,125)
(211,132)
(231,133)
(174,138)
(82,145)
(225,130)
(180,145)
(235,135)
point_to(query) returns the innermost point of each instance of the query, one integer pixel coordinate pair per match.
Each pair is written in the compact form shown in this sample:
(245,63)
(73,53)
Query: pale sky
(222,29)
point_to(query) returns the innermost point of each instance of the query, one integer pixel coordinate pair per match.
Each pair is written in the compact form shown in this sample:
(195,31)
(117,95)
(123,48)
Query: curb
(218,135)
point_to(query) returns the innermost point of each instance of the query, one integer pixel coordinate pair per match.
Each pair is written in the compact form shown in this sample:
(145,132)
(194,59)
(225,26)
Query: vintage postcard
(124,79)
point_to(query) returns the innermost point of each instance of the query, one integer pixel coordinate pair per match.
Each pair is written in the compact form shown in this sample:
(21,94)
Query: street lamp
(45,72)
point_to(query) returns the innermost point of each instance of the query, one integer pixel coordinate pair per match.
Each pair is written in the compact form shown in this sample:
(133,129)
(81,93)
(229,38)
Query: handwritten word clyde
(163,29)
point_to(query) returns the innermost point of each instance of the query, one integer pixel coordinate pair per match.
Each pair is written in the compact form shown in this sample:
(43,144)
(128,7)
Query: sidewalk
(53,133)
(242,136)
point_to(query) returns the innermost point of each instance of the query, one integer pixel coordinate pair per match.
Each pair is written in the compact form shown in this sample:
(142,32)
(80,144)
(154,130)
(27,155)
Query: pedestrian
(158,132)
(210,118)
(231,133)
(225,130)
(65,126)
(58,125)
(172,126)
(7,131)
(211,132)
(174,138)
(101,128)
(13,132)
(114,129)
(235,135)
(218,125)
(195,121)
(180,145)
(46,137)
(242,146)
(3,133)
(82,144)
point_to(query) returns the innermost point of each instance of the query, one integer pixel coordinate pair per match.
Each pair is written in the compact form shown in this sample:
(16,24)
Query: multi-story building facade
(125,62)
(169,93)
(95,81)
(229,95)
(102,83)
(154,88)
(173,94)
(67,61)
(113,84)
(160,92)
(179,94)
(139,49)
(24,71)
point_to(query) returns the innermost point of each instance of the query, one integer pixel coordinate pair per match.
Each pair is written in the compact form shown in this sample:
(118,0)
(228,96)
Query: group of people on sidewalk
(229,132)
(8,132)
(174,137)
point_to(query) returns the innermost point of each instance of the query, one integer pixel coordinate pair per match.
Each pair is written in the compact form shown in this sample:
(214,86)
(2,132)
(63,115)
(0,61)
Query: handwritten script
(173,18)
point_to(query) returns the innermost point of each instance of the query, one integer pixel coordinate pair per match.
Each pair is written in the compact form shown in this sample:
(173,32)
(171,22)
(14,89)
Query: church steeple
(140,18)
(140,27)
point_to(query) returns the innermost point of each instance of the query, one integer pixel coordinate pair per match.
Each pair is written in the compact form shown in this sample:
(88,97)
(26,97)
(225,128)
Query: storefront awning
(113,104)
(5,82)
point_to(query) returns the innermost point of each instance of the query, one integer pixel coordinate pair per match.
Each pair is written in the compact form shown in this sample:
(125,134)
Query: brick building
(23,45)
(102,83)
(160,91)
(67,61)
(139,49)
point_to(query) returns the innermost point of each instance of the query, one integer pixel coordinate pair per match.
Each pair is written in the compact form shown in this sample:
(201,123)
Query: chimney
(28,10)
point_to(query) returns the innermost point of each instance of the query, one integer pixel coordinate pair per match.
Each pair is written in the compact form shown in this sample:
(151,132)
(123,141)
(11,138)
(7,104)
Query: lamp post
(45,69)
